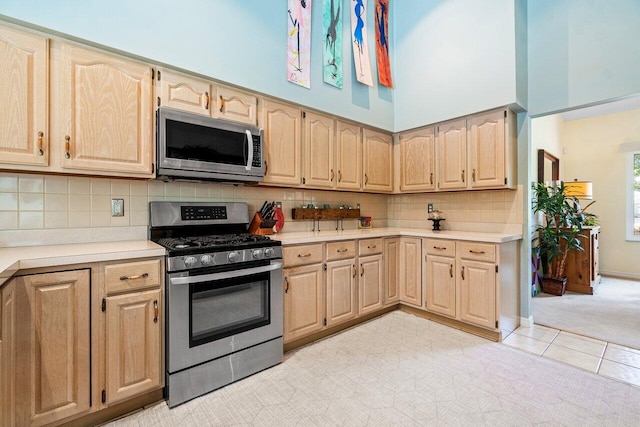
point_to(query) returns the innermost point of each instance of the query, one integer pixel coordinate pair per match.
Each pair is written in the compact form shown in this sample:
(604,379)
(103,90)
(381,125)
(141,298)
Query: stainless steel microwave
(191,146)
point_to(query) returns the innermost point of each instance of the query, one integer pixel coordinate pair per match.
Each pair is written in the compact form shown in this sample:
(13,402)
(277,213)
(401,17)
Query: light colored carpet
(611,314)
(403,370)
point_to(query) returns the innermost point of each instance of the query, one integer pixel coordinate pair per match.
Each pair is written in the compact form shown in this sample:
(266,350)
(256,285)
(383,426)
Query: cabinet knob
(67,147)
(339,176)
(138,276)
(286,285)
(361,270)
(40,136)
(366,179)
(207,99)
(221,104)
(307,255)
(450,270)
(462,272)
(155,311)
(462,175)
(354,271)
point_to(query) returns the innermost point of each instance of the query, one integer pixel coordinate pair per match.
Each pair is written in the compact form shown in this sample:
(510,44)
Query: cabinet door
(133,346)
(24,132)
(349,156)
(377,156)
(282,132)
(232,104)
(303,301)
(184,92)
(53,344)
(478,293)
(411,271)
(341,291)
(370,286)
(392,271)
(417,160)
(452,155)
(440,285)
(103,118)
(319,141)
(487,148)
(7,354)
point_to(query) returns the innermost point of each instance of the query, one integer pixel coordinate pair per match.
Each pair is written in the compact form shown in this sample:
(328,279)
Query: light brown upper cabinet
(452,155)
(184,92)
(377,160)
(24,104)
(319,143)
(233,104)
(102,112)
(417,160)
(282,125)
(349,156)
(491,159)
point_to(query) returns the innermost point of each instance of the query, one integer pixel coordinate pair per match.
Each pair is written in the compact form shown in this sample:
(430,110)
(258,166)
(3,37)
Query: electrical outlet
(429,207)
(117,207)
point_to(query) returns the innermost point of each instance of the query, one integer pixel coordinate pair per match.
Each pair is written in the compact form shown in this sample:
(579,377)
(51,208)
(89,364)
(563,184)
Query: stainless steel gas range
(223,296)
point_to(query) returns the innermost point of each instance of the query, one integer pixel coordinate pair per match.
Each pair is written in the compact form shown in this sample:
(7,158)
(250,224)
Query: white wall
(593,154)
(453,58)
(241,42)
(546,134)
(581,52)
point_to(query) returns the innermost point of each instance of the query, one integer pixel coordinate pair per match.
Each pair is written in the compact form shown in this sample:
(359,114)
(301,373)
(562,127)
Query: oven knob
(268,252)
(190,261)
(206,259)
(234,256)
(257,253)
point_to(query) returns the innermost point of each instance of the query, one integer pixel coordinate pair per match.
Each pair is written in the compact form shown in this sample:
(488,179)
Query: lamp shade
(579,189)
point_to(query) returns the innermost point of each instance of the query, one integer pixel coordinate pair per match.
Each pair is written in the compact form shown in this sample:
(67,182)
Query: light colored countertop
(23,257)
(325,236)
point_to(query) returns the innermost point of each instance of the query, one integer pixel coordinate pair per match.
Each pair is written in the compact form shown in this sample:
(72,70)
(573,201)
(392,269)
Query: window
(633,196)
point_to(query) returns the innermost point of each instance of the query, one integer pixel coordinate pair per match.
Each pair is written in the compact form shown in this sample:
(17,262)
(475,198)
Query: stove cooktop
(216,242)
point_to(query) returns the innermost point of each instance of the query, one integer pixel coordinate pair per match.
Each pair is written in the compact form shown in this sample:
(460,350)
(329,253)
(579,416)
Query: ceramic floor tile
(580,343)
(540,333)
(625,355)
(572,357)
(526,343)
(400,369)
(621,372)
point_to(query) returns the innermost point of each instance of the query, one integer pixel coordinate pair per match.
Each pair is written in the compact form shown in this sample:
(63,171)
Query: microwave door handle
(224,275)
(249,149)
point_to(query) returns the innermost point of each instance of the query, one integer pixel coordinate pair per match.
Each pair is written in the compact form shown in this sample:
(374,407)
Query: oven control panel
(198,213)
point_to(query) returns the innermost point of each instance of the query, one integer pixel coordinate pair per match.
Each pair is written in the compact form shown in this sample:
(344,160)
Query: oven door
(213,315)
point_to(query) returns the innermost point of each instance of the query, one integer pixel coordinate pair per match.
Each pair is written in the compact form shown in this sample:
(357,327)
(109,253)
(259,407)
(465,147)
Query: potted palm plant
(558,233)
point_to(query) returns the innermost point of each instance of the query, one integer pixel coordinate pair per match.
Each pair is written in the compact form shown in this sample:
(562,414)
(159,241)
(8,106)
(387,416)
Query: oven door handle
(249,150)
(225,275)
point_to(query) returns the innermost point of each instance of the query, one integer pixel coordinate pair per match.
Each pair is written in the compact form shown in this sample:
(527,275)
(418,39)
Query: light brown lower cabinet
(52,349)
(441,285)
(303,301)
(411,271)
(370,284)
(341,291)
(133,345)
(391,271)
(69,348)
(478,293)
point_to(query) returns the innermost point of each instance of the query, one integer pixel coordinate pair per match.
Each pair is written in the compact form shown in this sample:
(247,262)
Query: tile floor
(606,359)
(400,369)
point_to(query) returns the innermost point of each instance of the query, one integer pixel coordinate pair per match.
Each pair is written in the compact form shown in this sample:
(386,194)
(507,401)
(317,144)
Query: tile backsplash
(39,209)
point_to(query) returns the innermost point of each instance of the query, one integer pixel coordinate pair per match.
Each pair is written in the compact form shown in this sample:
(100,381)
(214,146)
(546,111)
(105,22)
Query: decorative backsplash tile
(32,202)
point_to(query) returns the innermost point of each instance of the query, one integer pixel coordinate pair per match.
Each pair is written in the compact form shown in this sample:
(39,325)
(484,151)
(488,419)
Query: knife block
(260,225)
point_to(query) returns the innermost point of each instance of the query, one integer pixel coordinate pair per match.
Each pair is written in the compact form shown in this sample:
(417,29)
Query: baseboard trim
(620,275)
(527,322)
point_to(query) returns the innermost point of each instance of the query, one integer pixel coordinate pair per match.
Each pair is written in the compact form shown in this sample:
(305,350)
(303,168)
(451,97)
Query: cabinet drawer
(439,247)
(341,250)
(131,276)
(370,247)
(477,251)
(301,255)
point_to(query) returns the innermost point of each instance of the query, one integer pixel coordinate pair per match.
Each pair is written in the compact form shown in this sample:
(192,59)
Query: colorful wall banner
(382,42)
(359,41)
(332,44)
(299,42)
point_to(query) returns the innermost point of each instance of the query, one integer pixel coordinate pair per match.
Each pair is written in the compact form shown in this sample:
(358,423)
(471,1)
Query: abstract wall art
(299,42)
(359,41)
(382,42)
(332,43)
